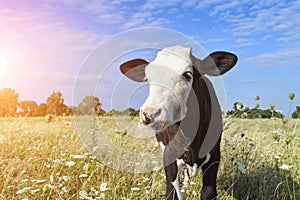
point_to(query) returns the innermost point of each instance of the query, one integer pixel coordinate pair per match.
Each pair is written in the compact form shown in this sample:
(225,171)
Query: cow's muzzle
(153,117)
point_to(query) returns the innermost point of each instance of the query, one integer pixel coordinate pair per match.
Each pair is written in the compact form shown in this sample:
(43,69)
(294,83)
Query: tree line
(10,106)
(239,111)
(54,105)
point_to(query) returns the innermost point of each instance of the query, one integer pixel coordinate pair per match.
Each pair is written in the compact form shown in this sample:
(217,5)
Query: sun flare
(3,66)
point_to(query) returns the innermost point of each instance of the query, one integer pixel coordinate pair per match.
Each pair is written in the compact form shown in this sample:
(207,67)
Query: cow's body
(185,151)
(183,109)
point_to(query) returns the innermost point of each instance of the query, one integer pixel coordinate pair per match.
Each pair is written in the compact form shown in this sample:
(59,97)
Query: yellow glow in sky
(3,65)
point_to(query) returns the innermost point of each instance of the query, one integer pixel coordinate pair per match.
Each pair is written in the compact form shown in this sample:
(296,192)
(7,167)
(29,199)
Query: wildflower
(194,193)
(23,190)
(256,106)
(70,163)
(2,138)
(277,157)
(50,186)
(239,106)
(86,167)
(65,189)
(83,176)
(65,178)
(244,115)
(241,167)
(57,161)
(40,181)
(72,137)
(94,191)
(83,194)
(271,106)
(51,178)
(24,180)
(134,189)
(146,179)
(285,167)
(192,183)
(78,156)
(34,191)
(256,98)
(48,118)
(291,95)
(284,120)
(103,187)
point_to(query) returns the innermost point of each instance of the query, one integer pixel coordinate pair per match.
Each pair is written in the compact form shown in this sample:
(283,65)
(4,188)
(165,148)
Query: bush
(254,113)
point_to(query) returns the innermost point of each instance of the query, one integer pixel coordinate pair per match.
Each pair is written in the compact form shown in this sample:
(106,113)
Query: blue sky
(43,43)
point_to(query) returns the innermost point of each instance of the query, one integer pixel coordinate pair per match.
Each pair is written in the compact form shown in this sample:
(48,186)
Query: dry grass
(40,160)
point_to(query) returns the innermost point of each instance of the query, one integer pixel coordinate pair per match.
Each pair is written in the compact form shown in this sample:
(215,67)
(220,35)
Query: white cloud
(224,7)
(110,18)
(278,18)
(155,4)
(280,58)
(252,18)
(213,40)
(207,3)
(242,42)
(133,23)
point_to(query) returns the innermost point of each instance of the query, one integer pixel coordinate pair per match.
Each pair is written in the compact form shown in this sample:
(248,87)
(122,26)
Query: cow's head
(170,76)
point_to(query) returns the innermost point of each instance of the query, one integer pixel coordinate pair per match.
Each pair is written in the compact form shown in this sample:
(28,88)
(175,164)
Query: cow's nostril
(158,113)
(146,120)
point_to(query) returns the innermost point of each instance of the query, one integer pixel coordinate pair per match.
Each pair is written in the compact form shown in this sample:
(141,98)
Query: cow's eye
(188,76)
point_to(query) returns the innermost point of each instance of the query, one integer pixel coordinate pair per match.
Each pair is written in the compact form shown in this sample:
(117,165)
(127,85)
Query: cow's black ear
(216,63)
(135,69)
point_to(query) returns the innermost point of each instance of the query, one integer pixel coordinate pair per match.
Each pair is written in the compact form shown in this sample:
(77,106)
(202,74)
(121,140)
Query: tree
(41,110)
(90,105)
(8,102)
(55,103)
(130,112)
(296,113)
(240,112)
(28,107)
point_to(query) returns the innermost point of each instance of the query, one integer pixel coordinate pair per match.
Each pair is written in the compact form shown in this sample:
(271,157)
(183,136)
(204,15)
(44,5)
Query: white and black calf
(183,109)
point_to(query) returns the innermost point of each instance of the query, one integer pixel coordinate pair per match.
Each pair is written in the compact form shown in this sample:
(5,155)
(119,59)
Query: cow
(183,110)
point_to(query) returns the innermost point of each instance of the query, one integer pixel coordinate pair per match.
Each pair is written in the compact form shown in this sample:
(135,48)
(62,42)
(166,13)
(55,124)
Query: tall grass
(40,160)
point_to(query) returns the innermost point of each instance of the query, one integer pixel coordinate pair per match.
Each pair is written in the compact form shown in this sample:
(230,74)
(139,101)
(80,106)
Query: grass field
(40,160)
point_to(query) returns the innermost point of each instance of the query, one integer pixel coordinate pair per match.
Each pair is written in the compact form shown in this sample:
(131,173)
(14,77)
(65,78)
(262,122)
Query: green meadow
(47,160)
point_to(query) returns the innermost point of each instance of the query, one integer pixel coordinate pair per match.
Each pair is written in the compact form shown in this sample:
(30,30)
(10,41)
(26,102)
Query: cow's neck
(201,121)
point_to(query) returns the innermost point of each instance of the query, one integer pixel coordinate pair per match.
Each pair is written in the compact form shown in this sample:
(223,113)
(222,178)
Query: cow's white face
(170,76)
